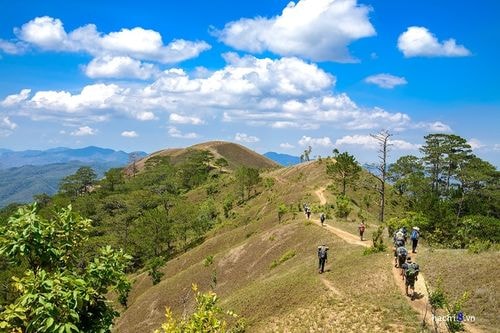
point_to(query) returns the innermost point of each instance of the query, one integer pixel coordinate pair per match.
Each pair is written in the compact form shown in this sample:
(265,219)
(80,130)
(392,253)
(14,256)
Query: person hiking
(322,218)
(397,244)
(405,233)
(361,229)
(399,237)
(401,254)
(322,257)
(308,212)
(415,234)
(411,270)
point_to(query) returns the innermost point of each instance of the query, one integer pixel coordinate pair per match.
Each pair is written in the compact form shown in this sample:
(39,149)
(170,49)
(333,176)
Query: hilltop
(236,155)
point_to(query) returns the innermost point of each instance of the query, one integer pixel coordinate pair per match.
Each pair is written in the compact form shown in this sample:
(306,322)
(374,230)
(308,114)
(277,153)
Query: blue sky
(271,75)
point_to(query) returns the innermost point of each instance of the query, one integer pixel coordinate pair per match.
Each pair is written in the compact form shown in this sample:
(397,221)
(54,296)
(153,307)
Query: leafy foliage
(59,292)
(344,169)
(208,317)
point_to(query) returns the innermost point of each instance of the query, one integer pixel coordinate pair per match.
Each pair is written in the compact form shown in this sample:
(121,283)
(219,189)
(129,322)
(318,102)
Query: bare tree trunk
(383,141)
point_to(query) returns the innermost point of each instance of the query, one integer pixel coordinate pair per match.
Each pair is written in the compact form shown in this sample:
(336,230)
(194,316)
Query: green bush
(343,206)
(207,318)
(286,256)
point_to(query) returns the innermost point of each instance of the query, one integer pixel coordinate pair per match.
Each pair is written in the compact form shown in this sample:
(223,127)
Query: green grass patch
(286,256)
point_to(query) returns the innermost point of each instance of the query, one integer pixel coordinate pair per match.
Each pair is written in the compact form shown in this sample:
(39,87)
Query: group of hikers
(409,269)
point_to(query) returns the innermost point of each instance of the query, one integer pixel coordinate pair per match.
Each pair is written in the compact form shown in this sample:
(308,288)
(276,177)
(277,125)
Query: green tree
(57,293)
(78,183)
(112,178)
(344,169)
(247,179)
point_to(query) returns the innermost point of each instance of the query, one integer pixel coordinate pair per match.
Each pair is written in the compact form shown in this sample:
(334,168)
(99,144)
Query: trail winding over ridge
(419,304)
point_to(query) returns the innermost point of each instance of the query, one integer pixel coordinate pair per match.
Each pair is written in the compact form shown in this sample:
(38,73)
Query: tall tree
(382,139)
(78,183)
(344,168)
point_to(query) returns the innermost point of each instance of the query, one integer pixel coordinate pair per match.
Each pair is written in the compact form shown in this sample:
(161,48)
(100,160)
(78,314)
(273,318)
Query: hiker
(361,228)
(405,233)
(308,212)
(401,254)
(322,218)
(411,270)
(399,237)
(322,257)
(397,244)
(415,234)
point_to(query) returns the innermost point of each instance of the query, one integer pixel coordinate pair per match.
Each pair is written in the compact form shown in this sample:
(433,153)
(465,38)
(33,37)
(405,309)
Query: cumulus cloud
(435,126)
(84,131)
(286,145)
(16,98)
(242,137)
(475,144)
(320,30)
(180,119)
(315,142)
(129,134)
(278,93)
(176,133)
(368,142)
(386,81)
(6,123)
(48,33)
(420,42)
(120,67)
(15,47)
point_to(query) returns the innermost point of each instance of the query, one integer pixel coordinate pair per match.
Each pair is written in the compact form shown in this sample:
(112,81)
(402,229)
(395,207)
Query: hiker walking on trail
(401,254)
(308,212)
(361,228)
(322,257)
(415,234)
(411,270)
(399,237)
(322,218)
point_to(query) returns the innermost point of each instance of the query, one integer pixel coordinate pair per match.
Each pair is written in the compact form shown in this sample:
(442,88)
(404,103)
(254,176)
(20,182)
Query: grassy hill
(266,271)
(235,154)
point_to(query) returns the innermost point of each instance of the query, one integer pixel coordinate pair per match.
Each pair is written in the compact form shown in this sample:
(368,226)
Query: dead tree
(382,139)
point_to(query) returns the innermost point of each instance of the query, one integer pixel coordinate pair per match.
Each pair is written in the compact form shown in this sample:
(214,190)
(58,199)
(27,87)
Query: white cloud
(278,93)
(129,134)
(120,67)
(419,41)
(6,123)
(16,98)
(368,142)
(286,145)
(319,30)
(496,147)
(385,80)
(315,142)
(48,33)
(12,47)
(176,133)
(180,119)
(84,131)
(436,126)
(475,144)
(242,137)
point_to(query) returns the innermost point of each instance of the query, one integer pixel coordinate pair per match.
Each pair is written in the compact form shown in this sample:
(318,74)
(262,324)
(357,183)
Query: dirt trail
(420,304)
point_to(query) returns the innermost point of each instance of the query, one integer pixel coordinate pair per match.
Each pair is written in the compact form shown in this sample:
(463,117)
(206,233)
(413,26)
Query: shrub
(287,255)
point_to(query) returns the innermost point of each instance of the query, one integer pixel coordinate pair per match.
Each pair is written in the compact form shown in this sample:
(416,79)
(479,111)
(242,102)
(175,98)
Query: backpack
(322,252)
(414,235)
(361,227)
(411,272)
(400,236)
(322,217)
(402,252)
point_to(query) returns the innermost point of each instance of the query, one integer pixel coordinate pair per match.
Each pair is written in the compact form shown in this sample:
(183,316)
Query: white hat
(416,228)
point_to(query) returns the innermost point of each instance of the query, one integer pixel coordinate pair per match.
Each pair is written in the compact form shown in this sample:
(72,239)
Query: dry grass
(477,274)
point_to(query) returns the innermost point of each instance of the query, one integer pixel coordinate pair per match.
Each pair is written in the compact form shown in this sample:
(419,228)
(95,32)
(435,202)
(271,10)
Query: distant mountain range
(283,159)
(10,159)
(26,173)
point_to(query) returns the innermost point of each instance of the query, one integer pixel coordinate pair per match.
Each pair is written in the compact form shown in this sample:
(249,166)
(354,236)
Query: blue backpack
(414,235)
